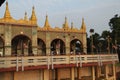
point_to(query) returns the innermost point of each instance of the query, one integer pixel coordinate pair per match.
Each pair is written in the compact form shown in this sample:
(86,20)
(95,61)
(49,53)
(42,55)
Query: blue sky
(96,13)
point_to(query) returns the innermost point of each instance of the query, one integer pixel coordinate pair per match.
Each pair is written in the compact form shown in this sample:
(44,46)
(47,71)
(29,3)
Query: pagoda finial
(71,25)
(33,16)
(83,26)
(47,25)
(65,25)
(7,12)
(25,17)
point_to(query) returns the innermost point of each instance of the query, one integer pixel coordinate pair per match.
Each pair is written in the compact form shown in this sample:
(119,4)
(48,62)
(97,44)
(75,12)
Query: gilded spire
(25,17)
(7,12)
(33,16)
(47,25)
(83,26)
(71,25)
(65,25)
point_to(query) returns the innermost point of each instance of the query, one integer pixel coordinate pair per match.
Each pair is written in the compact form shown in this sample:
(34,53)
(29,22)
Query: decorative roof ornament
(33,16)
(72,25)
(83,26)
(25,17)
(47,25)
(73,29)
(7,12)
(65,25)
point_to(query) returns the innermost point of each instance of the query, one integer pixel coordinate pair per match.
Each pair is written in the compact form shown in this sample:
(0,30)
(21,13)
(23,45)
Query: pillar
(98,71)
(46,74)
(84,43)
(41,74)
(7,40)
(48,43)
(67,44)
(72,73)
(78,73)
(58,74)
(106,72)
(34,40)
(93,73)
(114,71)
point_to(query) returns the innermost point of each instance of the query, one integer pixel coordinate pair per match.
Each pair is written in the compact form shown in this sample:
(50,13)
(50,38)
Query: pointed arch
(41,47)
(58,47)
(76,46)
(21,45)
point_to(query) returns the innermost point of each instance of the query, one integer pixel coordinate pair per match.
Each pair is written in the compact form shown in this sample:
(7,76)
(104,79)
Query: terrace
(21,63)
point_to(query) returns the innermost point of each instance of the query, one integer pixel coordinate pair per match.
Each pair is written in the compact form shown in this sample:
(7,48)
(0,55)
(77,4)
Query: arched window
(21,45)
(57,47)
(76,46)
(41,47)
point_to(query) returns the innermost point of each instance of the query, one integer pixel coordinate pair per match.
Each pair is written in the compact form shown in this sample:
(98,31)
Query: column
(72,73)
(98,71)
(78,73)
(41,74)
(7,40)
(47,43)
(106,72)
(46,74)
(84,43)
(93,73)
(67,44)
(58,74)
(34,40)
(114,72)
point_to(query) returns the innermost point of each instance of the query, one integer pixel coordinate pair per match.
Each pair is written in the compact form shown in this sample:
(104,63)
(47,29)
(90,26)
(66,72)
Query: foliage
(101,41)
(115,27)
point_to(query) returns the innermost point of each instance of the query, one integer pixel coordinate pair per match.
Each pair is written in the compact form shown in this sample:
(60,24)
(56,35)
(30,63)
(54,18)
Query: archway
(41,47)
(1,47)
(58,47)
(76,46)
(21,45)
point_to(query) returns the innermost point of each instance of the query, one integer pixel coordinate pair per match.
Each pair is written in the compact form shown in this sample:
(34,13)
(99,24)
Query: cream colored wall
(63,73)
(86,71)
(27,75)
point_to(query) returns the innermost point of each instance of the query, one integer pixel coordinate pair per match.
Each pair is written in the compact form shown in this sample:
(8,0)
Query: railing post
(76,60)
(52,61)
(99,60)
(22,64)
(48,62)
(80,60)
(113,59)
(17,67)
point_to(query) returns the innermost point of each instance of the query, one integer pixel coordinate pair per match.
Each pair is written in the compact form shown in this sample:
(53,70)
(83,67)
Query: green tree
(105,34)
(115,27)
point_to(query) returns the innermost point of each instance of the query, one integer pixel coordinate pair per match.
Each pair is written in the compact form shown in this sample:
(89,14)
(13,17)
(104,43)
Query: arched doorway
(76,46)
(57,47)
(21,45)
(1,47)
(41,47)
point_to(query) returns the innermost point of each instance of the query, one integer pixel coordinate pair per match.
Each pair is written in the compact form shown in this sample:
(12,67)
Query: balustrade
(7,62)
